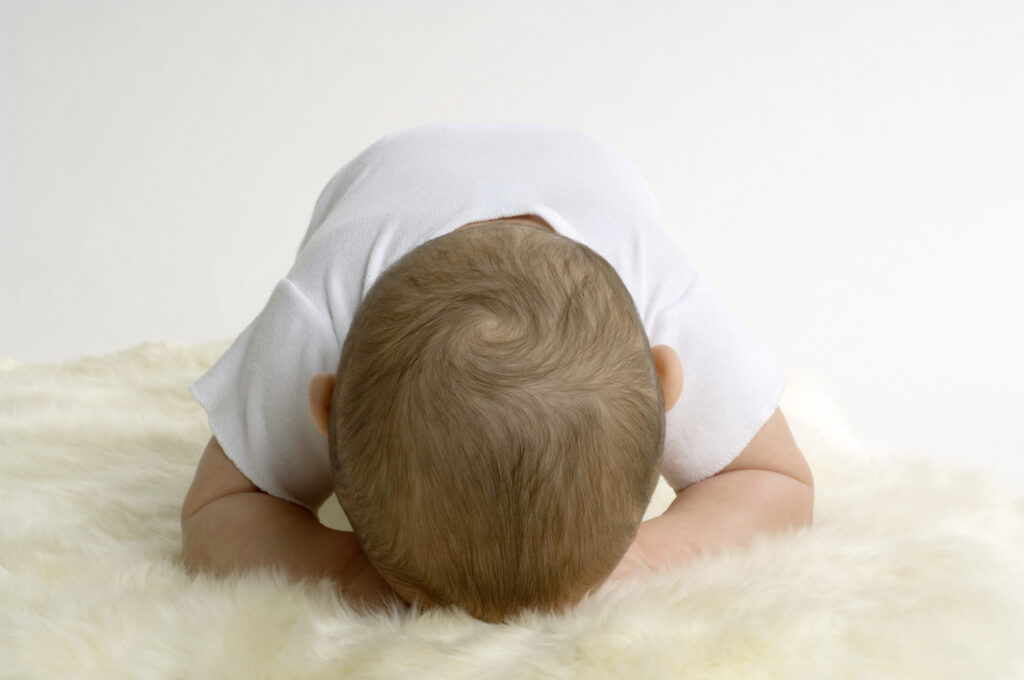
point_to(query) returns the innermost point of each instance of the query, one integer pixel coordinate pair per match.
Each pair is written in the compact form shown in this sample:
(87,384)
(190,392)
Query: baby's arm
(229,524)
(768,488)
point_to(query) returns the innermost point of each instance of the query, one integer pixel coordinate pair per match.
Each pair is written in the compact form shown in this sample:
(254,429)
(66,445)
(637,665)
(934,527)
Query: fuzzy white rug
(912,569)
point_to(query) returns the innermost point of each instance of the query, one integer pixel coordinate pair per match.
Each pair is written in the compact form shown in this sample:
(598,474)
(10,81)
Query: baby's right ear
(321,387)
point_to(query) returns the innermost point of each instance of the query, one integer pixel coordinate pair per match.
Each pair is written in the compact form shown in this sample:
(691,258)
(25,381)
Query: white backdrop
(848,174)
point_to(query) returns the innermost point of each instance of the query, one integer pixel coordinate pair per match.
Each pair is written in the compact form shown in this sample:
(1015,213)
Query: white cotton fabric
(424,182)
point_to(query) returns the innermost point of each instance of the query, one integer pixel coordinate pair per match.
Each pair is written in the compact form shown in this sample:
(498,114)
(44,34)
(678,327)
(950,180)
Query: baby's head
(497,423)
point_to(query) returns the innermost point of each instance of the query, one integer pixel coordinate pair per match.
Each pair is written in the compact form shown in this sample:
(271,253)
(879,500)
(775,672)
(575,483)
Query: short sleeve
(731,384)
(257,397)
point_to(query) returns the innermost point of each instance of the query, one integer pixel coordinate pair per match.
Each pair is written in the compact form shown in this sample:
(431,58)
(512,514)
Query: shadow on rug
(913,569)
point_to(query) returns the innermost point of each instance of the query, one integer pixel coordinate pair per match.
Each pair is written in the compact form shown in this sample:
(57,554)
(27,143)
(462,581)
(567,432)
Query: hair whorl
(497,421)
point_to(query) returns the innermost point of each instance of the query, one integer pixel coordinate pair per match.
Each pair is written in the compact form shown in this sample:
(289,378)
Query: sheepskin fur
(913,569)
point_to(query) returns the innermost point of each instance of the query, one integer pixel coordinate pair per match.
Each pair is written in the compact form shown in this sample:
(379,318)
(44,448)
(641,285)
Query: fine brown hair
(497,422)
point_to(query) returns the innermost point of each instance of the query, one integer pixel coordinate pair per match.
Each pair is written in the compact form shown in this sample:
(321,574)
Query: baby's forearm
(726,510)
(246,530)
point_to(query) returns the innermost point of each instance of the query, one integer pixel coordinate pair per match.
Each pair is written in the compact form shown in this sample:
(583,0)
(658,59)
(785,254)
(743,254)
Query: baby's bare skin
(531,220)
(228,523)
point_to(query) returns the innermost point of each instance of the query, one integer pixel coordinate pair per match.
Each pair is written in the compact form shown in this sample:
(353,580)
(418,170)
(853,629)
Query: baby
(481,350)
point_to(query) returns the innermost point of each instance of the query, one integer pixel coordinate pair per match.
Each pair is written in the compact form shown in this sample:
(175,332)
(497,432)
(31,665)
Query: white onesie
(424,182)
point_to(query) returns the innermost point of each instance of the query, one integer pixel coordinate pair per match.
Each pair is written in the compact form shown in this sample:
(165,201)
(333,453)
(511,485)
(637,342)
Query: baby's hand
(367,589)
(635,564)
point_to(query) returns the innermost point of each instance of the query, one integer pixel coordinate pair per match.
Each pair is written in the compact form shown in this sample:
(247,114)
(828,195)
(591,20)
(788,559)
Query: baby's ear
(321,387)
(670,373)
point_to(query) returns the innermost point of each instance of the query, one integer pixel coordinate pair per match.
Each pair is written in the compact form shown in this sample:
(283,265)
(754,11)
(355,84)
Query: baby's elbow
(806,504)
(796,504)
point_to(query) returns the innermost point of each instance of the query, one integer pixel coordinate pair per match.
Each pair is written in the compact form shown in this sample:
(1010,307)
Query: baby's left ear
(670,374)
(321,387)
